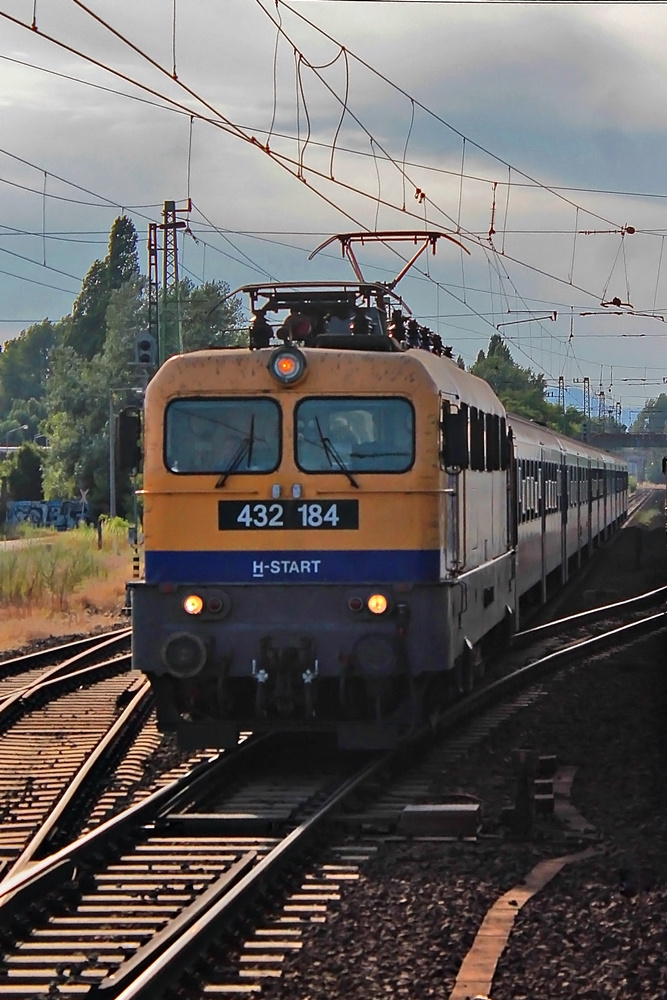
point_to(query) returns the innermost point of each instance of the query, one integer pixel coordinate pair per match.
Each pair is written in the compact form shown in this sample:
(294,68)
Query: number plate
(322,515)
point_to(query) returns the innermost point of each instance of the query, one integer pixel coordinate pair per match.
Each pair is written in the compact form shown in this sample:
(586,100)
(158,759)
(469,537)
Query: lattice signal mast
(164,321)
(587,406)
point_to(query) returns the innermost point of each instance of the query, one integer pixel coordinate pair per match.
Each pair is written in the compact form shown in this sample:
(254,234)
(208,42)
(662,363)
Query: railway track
(19,672)
(57,726)
(229,864)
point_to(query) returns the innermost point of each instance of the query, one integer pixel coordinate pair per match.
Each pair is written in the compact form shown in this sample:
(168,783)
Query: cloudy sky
(536,134)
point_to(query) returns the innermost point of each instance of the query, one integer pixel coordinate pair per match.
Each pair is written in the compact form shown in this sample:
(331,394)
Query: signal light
(287,365)
(144,349)
(193,604)
(377,603)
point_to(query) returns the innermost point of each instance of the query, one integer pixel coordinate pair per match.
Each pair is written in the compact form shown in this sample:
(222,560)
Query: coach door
(562,508)
(542,508)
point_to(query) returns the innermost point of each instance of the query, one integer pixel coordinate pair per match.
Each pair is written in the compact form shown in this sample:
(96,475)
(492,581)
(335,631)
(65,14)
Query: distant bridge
(637,439)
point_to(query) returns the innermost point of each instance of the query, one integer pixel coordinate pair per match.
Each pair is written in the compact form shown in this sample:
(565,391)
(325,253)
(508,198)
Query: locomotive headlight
(184,655)
(287,365)
(193,604)
(377,603)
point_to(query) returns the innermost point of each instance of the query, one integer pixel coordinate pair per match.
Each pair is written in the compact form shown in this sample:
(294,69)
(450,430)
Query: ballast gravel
(598,930)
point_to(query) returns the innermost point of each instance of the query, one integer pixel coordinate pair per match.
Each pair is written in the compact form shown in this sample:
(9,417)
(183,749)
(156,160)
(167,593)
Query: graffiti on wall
(60,514)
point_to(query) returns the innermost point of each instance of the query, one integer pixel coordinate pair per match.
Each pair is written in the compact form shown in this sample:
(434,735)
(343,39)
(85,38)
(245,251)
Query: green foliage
(81,387)
(206,314)
(653,419)
(86,329)
(24,365)
(654,415)
(519,389)
(25,477)
(523,393)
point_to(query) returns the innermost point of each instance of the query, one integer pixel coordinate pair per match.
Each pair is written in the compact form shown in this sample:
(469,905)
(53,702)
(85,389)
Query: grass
(58,583)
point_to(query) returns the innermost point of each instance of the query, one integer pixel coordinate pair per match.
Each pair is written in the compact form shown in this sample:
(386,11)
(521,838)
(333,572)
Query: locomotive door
(455,460)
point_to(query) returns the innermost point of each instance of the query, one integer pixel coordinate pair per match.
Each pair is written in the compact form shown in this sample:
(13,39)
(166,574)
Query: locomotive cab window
(355,433)
(222,435)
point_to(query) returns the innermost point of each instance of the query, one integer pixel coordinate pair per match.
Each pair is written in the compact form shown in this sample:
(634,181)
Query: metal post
(112,458)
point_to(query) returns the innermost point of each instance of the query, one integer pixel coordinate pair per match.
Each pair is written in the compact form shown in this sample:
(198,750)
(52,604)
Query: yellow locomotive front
(290,523)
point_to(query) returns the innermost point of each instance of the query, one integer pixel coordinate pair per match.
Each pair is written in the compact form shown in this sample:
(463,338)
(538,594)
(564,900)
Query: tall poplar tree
(87,327)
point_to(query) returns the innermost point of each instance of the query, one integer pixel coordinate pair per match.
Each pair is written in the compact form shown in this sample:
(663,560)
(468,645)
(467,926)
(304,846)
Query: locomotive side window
(492,442)
(355,433)
(477,427)
(455,452)
(222,435)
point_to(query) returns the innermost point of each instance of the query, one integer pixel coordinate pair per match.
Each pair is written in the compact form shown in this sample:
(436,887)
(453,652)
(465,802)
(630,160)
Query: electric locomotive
(332,523)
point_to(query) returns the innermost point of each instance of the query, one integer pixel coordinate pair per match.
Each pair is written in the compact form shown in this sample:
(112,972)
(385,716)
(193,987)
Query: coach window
(363,434)
(210,435)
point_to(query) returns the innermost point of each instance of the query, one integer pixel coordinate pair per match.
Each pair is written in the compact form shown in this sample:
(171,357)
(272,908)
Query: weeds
(62,578)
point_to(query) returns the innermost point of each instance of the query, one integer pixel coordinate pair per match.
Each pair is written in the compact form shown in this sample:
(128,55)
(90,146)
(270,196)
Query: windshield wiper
(245,448)
(331,452)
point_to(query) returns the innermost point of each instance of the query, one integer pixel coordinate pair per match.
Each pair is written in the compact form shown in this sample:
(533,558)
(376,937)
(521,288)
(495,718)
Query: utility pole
(164,321)
(112,457)
(138,392)
(587,406)
(561,393)
(154,290)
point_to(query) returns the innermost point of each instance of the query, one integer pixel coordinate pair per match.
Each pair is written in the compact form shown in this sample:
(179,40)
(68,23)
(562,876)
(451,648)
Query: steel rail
(59,676)
(129,717)
(639,504)
(650,597)
(22,886)
(198,934)
(633,631)
(78,646)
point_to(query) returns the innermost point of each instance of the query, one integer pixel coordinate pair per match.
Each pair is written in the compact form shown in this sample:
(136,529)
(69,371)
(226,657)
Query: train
(339,524)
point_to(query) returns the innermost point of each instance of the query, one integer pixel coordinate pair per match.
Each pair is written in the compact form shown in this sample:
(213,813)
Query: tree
(520,390)
(24,364)
(122,261)
(87,326)
(75,427)
(208,317)
(25,477)
(653,416)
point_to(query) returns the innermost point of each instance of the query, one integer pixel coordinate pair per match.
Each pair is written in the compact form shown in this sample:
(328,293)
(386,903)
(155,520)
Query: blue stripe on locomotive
(351,566)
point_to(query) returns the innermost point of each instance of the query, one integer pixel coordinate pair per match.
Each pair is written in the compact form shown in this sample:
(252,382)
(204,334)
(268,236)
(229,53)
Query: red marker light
(287,365)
